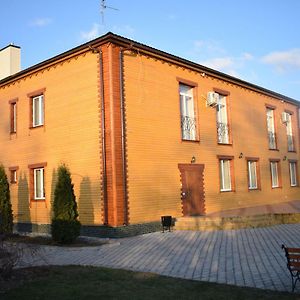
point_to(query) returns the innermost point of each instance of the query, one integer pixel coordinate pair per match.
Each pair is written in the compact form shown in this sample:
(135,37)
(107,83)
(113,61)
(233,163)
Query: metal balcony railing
(290,140)
(223,133)
(188,128)
(272,140)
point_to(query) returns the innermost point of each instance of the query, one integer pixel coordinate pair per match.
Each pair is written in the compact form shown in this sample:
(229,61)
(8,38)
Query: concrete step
(236,222)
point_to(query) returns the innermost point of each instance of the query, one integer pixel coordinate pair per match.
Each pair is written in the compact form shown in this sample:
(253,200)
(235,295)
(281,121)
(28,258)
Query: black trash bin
(166,222)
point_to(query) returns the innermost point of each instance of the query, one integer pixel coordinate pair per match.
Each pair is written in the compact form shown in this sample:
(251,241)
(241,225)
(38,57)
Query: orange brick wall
(70,136)
(154,146)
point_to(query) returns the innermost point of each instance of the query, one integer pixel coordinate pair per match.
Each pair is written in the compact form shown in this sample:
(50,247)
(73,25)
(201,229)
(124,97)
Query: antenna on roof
(103,7)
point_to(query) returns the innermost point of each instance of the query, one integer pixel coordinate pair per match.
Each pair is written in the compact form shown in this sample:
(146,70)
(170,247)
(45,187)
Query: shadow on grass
(74,282)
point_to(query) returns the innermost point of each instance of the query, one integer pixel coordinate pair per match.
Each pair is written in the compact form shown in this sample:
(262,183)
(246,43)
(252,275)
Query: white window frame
(222,118)
(289,132)
(252,182)
(274,174)
(293,173)
(40,106)
(222,175)
(41,187)
(271,128)
(187,109)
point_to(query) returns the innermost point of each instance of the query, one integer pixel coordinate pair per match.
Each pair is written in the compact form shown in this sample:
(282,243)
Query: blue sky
(255,40)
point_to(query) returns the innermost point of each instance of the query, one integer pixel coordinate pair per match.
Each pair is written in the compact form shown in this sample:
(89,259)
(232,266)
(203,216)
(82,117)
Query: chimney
(10,60)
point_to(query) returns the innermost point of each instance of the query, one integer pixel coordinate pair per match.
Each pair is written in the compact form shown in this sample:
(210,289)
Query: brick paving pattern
(245,257)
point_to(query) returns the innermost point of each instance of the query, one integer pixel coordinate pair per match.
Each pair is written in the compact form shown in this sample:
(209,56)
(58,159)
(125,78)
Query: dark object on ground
(166,222)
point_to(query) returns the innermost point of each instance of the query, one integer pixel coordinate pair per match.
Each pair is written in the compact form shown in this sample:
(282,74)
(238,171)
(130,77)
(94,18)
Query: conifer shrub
(6,213)
(65,227)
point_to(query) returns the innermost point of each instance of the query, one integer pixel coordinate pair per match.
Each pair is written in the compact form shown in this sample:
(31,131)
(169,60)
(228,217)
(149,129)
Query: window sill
(225,144)
(294,186)
(276,187)
(193,141)
(13,182)
(38,200)
(38,126)
(292,151)
(254,189)
(227,191)
(273,149)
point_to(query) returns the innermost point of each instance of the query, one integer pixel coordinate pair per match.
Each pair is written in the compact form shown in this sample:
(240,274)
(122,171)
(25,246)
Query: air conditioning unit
(212,99)
(284,117)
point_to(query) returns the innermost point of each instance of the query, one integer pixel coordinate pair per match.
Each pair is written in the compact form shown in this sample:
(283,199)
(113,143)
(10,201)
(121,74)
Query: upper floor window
(271,128)
(37,108)
(13,115)
(293,173)
(188,116)
(222,120)
(289,131)
(38,111)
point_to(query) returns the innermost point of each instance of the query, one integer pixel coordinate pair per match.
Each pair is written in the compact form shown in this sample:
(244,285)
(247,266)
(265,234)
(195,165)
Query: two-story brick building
(145,134)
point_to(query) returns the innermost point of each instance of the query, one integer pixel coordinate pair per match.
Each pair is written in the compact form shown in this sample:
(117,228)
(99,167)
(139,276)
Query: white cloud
(201,46)
(125,30)
(284,60)
(41,22)
(91,34)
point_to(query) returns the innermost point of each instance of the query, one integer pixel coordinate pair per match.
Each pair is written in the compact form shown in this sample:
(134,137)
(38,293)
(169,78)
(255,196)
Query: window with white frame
(38,182)
(293,173)
(225,175)
(38,111)
(252,175)
(222,120)
(271,128)
(289,132)
(187,109)
(274,174)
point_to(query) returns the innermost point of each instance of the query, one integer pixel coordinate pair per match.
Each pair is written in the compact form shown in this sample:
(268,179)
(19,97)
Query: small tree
(6,213)
(65,227)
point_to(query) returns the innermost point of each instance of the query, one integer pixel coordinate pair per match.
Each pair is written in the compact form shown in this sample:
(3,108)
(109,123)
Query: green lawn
(74,282)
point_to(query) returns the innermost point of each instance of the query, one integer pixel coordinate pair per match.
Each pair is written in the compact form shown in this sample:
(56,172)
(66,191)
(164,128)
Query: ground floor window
(274,166)
(37,181)
(253,173)
(293,173)
(226,173)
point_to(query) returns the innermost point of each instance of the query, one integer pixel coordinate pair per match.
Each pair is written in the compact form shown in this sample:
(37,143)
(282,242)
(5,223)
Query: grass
(47,241)
(74,282)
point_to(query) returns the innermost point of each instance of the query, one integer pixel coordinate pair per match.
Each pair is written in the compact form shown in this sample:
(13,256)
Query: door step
(236,222)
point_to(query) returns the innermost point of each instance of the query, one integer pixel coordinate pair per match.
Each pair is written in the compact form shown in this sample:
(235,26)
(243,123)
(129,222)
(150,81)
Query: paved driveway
(246,257)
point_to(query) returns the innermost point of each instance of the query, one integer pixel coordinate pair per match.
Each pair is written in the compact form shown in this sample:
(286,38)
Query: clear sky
(255,40)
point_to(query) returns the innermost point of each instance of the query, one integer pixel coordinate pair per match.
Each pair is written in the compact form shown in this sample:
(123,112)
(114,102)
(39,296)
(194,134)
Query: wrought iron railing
(272,140)
(290,141)
(223,133)
(188,128)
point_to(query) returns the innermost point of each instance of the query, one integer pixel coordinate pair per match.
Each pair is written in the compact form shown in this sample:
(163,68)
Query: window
(13,174)
(187,109)
(222,121)
(271,128)
(253,173)
(38,111)
(275,176)
(37,181)
(226,180)
(289,132)
(13,117)
(39,192)
(293,173)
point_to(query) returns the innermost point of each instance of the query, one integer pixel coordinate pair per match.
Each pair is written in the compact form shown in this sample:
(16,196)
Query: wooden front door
(192,191)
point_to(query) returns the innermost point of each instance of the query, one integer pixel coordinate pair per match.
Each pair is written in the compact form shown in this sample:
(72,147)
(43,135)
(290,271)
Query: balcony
(223,133)
(188,128)
(272,140)
(290,140)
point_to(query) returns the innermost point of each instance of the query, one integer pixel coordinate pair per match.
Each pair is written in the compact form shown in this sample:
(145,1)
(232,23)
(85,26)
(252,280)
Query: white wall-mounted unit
(212,99)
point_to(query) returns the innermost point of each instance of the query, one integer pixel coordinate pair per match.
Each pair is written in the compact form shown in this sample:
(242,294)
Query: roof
(134,45)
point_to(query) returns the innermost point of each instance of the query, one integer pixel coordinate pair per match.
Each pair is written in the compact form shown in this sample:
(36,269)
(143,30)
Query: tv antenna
(103,7)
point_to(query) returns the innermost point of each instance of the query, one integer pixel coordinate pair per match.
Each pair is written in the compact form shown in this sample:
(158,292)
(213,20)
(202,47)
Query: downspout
(104,178)
(123,138)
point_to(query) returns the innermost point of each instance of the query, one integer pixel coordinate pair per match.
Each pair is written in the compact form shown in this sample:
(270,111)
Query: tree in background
(6,213)
(65,227)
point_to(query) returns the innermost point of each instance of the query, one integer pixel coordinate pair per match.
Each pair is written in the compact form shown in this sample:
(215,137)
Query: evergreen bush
(65,227)
(6,213)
